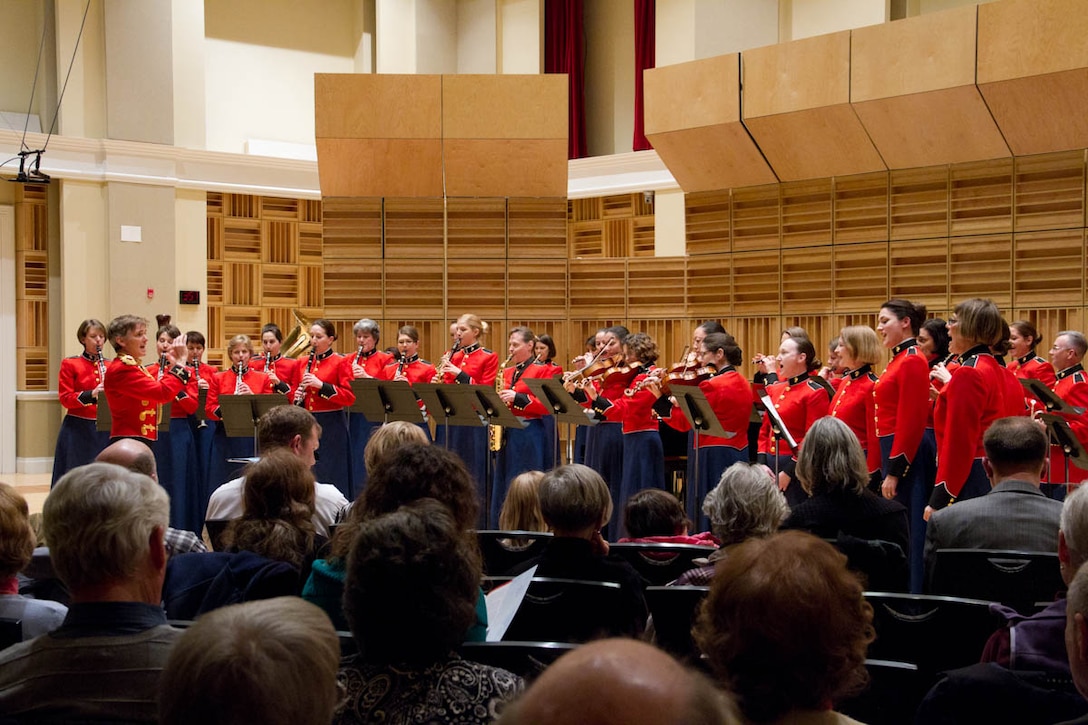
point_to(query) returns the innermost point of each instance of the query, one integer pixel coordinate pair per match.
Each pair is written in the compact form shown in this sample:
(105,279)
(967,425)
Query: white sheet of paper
(503,604)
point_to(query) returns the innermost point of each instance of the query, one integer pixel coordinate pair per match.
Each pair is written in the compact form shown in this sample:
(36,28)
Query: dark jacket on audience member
(866,516)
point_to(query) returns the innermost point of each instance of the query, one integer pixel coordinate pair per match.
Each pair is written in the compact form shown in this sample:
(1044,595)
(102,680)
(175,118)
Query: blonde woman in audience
(521,509)
(35,616)
(272,661)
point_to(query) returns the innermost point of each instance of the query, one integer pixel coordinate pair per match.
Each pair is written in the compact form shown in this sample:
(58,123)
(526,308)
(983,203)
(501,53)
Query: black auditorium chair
(568,610)
(11,632)
(935,633)
(660,564)
(894,691)
(503,551)
(1018,579)
(527,659)
(674,610)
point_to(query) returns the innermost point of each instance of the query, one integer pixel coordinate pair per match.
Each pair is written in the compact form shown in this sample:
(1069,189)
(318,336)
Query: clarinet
(101,361)
(201,414)
(238,382)
(300,393)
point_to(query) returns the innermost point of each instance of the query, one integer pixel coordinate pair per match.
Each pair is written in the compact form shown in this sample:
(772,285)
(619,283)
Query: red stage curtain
(645,38)
(564,52)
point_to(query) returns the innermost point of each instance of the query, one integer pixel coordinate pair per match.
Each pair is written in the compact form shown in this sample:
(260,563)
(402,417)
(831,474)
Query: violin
(692,376)
(624,373)
(599,366)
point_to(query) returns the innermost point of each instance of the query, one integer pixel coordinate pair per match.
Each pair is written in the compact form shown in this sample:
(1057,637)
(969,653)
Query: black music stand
(563,407)
(104,421)
(778,430)
(489,405)
(240,414)
(696,408)
(202,407)
(382,401)
(1050,399)
(1062,436)
(449,405)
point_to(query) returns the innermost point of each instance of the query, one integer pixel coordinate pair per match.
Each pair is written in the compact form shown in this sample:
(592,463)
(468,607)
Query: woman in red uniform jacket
(325,390)
(133,393)
(284,372)
(800,399)
(1026,363)
(366,362)
(858,351)
(971,401)
(79,385)
(409,367)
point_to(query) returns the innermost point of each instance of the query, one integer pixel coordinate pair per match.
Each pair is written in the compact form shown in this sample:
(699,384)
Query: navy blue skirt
(524,451)
(334,455)
(605,456)
(203,439)
(78,443)
(175,456)
(913,491)
(643,467)
(223,448)
(359,430)
(713,460)
(470,443)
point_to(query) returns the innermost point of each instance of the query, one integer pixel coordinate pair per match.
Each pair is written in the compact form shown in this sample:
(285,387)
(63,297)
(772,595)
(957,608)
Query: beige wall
(83,260)
(139,71)
(476,31)
(694,29)
(436,36)
(83,112)
(817,17)
(21,30)
(610,76)
(396,36)
(522,28)
(191,256)
(187,23)
(37,422)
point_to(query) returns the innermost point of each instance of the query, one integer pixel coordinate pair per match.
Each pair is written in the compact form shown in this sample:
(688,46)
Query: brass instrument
(297,342)
(495,437)
(300,392)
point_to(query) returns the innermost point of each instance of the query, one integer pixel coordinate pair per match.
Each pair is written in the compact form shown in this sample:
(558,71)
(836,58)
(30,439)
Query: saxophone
(495,437)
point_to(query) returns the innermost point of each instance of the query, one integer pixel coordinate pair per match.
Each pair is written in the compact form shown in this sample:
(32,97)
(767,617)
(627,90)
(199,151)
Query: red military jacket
(854,405)
(800,402)
(730,397)
(416,370)
(525,404)
(901,404)
(1037,368)
(1072,387)
(1016,401)
(134,394)
(968,405)
(335,392)
(635,411)
(373,362)
(227,381)
(79,376)
(479,366)
(287,369)
(186,401)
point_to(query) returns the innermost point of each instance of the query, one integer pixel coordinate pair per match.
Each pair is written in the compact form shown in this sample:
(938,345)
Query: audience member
(137,456)
(620,682)
(521,508)
(294,429)
(1014,514)
(655,516)
(105,526)
(1076,632)
(34,616)
(389,438)
(786,627)
(273,662)
(576,503)
(412,583)
(745,504)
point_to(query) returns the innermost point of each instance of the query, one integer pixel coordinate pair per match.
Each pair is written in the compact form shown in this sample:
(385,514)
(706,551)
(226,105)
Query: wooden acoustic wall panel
(655,287)
(912,85)
(756,282)
(280,241)
(757,218)
(796,102)
(413,228)
(238,320)
(378,134)
(598,288)
(820,329)
(980,267)
(586,239)
(354,288)
(310,245)
(708,285)
(311,280)
(215,203)
(756,335)
(241,240)
(670,336)
(918,271)
(643,236)
(860,276)
(693,121)
(352,228)
(276,207)
(536,228)
(706,221)
(280,284)
(806,213)
(860,205)
(215,283)
(32,275)
(478,285)
(918,203)
(241,283)
(242,206)
(1049,191)
(1048,268)
(616,237)
(215,237)
(537,288)
(980,198)
(505,135)
(413,288)
(476,227)
(1033,72)
(807,280)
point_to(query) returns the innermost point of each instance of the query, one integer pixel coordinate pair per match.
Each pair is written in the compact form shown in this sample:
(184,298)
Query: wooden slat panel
(215,238)
(709,284)
(33,366)
(279,242)
(309,210)
(32,275)
(31,225)
(275,207)
(215,283)
(32,329)
(618,206)
(643,236)
(655,287)
(477,284)
(616,237)
(707,220)
(413,288)
(239,320)
(354,287)
(311,291)
(586,239)
(861,276)
(215,339)
(477,227)
(861,208)
(310,246)
(537,289)
(1049,191)
(352,228)
(980,200)
(413,228)
(215,204)
(756,217)
(241,283)
(243,206)
(919,271)
(580,329)
(1048,268)
(241,240)
(1049,321)
(755,282)
(919,203)
(279,316)
(806,280)
(537,228)
(806,213)
(280,285)
(584,210)
(597,288)
(756,335)
(981,267)
(820,329)
(670,336)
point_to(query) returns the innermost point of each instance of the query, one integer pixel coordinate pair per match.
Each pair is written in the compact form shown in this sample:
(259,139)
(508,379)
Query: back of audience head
(1076,629)
(785,625)
(574,500)
(388,438)
(411,587)
(653,512)
(16,535)
(286,426)
(621,681)
(131,454)
(1015,446)
(1073,533)
(268,661)
(746,503)
(521,508)
(278,509)
(102,522)
(831,459)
